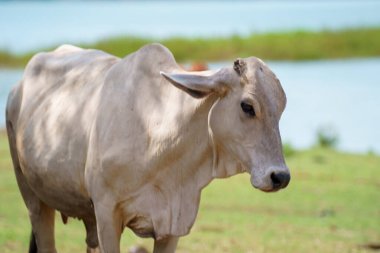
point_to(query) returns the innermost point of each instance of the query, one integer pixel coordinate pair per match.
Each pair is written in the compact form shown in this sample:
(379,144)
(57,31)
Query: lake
(341,94)
(29,25)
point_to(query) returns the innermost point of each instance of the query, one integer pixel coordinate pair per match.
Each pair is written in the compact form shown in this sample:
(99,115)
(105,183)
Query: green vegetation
(288,149)
(10,60)
(331,205)
(297,45)
(327,137)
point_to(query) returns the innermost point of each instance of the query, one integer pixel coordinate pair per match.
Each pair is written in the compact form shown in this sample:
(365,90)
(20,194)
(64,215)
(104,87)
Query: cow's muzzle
(273,180)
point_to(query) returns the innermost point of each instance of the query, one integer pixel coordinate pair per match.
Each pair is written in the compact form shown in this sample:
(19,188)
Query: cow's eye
(248,109)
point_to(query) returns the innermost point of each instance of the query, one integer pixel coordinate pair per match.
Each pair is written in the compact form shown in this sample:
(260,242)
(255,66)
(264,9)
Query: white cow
(132,142)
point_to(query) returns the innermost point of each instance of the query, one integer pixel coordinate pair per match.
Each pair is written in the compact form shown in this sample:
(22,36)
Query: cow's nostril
(280,180)
(275,181)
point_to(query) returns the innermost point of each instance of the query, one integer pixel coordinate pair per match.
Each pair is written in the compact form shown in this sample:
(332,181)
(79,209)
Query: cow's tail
(32,243)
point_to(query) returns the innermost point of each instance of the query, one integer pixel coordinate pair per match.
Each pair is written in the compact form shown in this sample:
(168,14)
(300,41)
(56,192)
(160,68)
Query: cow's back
(51,112)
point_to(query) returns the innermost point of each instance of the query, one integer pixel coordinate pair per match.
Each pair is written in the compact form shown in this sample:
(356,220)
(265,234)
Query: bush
(327,137)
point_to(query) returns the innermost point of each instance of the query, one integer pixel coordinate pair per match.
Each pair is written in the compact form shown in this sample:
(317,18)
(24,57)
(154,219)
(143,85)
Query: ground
(331,205)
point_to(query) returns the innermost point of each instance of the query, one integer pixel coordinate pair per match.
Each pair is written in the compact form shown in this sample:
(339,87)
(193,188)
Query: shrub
(327,137)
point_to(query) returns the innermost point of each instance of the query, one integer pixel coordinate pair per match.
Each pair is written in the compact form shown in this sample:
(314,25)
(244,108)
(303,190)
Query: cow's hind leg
(42,219)
(91,235)
(41,216)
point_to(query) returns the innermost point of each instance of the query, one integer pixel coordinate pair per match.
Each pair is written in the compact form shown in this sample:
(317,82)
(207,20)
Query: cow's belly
(68,201)
(60,187)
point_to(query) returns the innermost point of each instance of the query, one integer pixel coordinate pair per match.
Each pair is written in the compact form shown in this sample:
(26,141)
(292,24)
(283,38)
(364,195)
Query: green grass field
(296,45)
(331,205)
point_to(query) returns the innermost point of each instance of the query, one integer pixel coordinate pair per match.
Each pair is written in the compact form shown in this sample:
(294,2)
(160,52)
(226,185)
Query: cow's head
(245,118)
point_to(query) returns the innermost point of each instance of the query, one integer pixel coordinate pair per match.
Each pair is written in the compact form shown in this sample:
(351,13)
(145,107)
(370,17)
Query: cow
(132,142)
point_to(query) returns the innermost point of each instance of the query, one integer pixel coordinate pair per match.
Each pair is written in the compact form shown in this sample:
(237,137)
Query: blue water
(29,25)
(340,94)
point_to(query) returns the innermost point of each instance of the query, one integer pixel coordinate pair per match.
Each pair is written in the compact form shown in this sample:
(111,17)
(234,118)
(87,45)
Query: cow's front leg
(168,245)
(109,227)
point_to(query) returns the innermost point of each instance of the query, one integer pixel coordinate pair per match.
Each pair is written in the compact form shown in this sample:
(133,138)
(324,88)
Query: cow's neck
(181,153)
(209,159)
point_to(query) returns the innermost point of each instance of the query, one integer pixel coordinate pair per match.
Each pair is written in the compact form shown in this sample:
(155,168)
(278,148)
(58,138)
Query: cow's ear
(197,84)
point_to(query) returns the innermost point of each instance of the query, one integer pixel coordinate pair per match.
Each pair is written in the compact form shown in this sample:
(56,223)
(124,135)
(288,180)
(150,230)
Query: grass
(297,45)
(331,205)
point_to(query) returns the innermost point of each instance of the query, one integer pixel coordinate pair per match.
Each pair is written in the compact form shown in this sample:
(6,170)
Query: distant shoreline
(294,46)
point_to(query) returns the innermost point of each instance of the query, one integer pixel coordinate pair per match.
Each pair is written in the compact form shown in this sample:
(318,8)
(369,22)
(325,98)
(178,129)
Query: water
(343,95)
(29,25)
(334,93)
(8,78)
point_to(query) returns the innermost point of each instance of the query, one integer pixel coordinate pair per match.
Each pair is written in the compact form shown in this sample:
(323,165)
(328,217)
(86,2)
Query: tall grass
(297,45)
(10,60)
